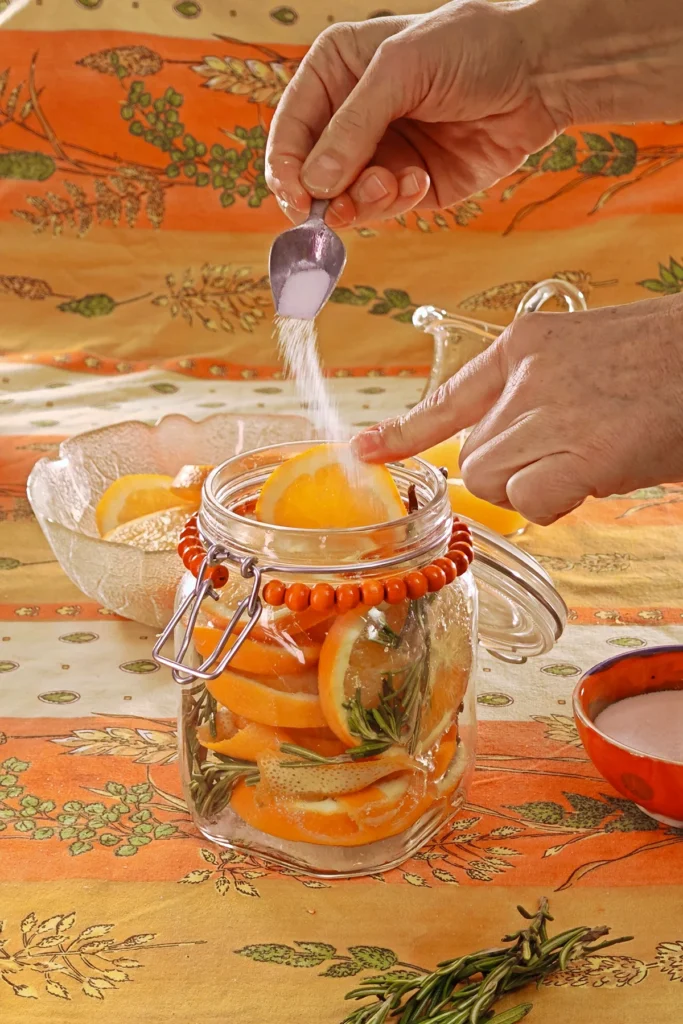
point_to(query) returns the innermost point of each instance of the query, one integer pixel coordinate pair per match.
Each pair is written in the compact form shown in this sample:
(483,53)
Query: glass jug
(327,714)
(457,339)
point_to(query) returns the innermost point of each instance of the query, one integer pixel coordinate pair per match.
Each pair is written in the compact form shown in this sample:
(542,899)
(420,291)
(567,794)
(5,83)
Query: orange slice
(188,482)
(133,496)
(157,531)
(330,821)
(280,625)
(350,661)
(247,741)
(288,706)
(287,776)
(325,488)
(257,658)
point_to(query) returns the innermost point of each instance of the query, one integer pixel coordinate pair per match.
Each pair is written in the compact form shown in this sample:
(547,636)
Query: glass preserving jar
(327,714)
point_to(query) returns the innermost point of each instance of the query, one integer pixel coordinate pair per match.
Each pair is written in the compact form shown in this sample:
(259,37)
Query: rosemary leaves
(464,990)
(396,713)
(212,777)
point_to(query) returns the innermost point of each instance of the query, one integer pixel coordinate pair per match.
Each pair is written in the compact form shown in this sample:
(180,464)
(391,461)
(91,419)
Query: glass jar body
(336,742)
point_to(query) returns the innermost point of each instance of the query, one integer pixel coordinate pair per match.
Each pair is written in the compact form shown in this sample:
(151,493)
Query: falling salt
(298,342)
(303,294)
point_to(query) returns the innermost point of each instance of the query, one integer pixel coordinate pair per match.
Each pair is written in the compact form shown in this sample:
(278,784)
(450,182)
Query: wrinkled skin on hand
(563,406)
(397,113)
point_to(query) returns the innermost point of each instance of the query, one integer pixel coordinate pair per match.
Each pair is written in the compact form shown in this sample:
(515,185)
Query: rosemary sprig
(212,776)
(464,990)
(398,707)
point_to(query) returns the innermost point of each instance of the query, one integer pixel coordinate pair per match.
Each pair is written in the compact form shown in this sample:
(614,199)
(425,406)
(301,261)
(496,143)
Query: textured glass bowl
(64,491)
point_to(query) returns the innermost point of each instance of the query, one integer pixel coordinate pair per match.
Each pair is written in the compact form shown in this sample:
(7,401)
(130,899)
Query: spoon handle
(318,209)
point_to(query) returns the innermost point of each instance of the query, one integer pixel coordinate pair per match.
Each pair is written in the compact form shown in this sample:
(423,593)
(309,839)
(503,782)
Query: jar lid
(521,614)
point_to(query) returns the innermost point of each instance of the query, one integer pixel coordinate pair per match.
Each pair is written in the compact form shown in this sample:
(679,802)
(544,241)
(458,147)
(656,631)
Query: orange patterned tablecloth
(132,283)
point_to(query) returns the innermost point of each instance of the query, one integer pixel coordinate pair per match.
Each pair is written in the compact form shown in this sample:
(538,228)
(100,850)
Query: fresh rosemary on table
(464,990)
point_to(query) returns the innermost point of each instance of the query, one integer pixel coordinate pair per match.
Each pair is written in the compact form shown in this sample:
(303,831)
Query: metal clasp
(217,661)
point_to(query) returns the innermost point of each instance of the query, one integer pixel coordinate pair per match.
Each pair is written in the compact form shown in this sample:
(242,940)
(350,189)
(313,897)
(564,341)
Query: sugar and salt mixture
(649,722)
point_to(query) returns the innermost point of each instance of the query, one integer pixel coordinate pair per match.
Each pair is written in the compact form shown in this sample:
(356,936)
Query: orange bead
(219,576)
(416,583)
(466,549)
(460,561)
(274,593)
(297,597)
(194,563)
(448,567)
(348,597)
(436,578)
(192,551)
(396,591)
(322,597)
(461,535)
(373,592)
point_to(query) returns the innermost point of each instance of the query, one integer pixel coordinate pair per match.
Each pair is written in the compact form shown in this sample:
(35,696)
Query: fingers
(549,488)
(378,194)
(325,82)
(459,403)
(348,143)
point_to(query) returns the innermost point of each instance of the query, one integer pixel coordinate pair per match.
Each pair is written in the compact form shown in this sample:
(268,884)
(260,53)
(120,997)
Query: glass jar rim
(420,536)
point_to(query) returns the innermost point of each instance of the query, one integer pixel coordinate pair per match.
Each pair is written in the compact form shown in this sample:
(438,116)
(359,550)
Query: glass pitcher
(327,715)
(457,339)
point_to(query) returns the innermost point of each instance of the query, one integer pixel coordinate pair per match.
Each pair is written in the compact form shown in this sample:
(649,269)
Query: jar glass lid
(521,614)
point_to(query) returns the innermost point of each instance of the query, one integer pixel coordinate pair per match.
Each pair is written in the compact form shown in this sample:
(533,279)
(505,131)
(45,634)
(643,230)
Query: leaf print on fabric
(392,302)
(258,81)
(600,972)
(219,297)
(669,281)
(669,959)
(559,728)
(234,871)
(132,817)
(144,746)
(60,961)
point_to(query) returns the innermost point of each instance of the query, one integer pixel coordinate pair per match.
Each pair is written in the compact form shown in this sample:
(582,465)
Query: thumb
(460,402)
(349,141)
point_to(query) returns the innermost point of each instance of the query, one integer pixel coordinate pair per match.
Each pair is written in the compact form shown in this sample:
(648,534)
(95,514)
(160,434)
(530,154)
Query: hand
(565,405)
(394,113)
(397,113)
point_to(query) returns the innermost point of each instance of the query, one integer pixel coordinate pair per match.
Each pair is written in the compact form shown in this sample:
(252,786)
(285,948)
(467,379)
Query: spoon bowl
(305,264)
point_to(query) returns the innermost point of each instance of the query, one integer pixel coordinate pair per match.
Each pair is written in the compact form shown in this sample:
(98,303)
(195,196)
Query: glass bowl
(64,492)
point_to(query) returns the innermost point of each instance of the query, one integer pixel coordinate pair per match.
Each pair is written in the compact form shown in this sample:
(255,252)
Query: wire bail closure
(217,662)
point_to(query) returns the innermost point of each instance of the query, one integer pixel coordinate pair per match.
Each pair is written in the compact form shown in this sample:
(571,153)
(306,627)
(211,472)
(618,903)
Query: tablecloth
(132,286)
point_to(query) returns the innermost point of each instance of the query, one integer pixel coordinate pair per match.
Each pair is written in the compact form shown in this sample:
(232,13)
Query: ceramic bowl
(654,784)
(64,491)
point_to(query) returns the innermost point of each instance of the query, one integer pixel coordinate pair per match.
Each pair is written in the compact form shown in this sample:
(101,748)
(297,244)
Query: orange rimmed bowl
(653,783)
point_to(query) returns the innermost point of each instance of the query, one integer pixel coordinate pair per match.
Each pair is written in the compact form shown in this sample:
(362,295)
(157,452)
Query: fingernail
(409,185)
(367,444)
(323,173)
(290,211)
(372,189)
(332,218)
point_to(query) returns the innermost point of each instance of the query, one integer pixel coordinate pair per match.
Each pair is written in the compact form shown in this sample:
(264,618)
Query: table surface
(112,905)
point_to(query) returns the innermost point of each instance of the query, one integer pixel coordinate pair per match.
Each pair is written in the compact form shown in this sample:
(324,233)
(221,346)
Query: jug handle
(552,288)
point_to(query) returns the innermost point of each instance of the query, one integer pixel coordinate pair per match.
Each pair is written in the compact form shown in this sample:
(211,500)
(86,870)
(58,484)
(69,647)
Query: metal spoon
(311,246)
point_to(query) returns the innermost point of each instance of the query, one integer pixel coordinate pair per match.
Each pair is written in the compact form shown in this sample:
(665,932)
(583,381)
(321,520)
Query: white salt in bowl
(64,492)
(654,783)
